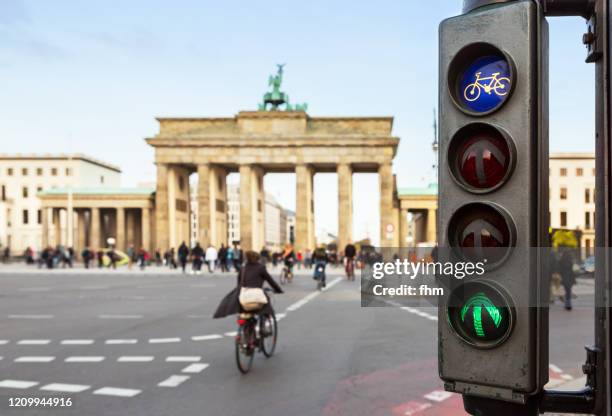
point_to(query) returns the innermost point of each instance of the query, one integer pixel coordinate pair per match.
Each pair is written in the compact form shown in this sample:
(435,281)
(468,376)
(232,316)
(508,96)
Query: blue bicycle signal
(485,84)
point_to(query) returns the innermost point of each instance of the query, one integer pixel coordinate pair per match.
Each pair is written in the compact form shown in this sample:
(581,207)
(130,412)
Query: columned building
(124,214)
(254,143)
(418,215)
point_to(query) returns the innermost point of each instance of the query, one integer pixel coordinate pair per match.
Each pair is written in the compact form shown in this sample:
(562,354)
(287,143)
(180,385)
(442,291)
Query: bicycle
(286,275)
(501,86)
(257,331)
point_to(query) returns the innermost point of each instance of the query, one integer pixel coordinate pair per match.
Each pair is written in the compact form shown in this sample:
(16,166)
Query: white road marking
(414,408)
(114,391)
(183,359)
(163,340)
(31,316)
(173,381)
(231,334)
(419,313)
(34,342)
(17,384)
(37,359)
(85,359)
(77,342)
(566,377)
(135,358)
(65,388)
(198,316)
(297,305)
(195,368)
(120,341)
(93,287)
(4,341)
(206,337)
(438,395)
(280,316)
(110,316)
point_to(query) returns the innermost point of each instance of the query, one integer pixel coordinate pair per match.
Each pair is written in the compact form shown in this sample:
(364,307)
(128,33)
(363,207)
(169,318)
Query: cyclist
(349,254)
(288,258)
(319,258)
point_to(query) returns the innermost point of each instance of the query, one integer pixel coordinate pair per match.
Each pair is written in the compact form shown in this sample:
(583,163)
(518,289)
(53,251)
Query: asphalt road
(133,343)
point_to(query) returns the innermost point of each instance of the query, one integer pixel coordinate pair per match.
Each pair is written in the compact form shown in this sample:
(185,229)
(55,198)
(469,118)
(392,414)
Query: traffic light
(493,200)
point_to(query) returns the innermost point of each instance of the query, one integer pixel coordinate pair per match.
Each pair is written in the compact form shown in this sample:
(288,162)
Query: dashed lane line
(17,384)
(36,359)
(438,395)
(65,388)
(17,316)
(85,359)
(120,341)
(195,368)
(77,342)
(135,358)
(164,340)
(114,391)
(231,334)
(4,341)
(206,337)
(34,342)
(183,359)
(174,381)
(296,305)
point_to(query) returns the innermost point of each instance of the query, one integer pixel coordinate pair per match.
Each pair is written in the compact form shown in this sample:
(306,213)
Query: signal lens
(480,232)
(481,157)
(480,314)
(480,78)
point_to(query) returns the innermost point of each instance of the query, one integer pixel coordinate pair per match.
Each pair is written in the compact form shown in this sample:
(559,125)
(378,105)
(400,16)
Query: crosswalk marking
(114,391)
(65,388)
(173,381)
(17,384)
(438,395)
(195,368)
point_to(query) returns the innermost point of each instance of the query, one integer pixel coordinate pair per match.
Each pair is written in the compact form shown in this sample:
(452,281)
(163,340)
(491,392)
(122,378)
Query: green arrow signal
(477,302)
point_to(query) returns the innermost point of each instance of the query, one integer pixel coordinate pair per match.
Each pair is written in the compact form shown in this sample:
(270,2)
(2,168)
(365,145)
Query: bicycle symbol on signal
(500,86)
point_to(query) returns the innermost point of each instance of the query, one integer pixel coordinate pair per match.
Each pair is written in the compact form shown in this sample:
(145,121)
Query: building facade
(23,177)
(572,195)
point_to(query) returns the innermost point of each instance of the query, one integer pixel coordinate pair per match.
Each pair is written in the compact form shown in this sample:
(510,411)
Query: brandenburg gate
(254,143)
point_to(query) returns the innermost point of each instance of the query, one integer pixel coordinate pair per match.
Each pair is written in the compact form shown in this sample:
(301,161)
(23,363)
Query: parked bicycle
(257,331)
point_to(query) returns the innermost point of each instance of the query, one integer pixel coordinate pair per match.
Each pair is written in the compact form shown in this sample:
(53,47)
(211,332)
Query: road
(128,342)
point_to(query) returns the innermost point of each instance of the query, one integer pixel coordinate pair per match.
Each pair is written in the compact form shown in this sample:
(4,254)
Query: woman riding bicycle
(288,258)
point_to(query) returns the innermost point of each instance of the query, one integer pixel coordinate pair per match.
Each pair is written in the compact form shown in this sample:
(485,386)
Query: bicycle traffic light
(493,203)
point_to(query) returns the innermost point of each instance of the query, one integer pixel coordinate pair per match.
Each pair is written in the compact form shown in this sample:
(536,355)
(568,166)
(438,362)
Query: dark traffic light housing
(493,200)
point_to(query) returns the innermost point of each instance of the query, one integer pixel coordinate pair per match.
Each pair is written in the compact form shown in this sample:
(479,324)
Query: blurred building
(24,176)
(572,195)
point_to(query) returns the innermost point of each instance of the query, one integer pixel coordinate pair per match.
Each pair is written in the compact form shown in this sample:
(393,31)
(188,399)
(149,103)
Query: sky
(91,77)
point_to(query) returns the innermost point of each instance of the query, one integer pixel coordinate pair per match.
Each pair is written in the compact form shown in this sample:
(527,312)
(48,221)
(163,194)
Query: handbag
(251,298)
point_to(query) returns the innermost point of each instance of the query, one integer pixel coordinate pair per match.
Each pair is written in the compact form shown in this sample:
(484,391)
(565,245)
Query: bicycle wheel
(269,332)
(245,350)
(502,86)
(283,277)
(471,92)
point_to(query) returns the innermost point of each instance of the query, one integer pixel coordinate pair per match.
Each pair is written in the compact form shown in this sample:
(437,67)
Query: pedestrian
(555,278)
(264,255)
(142,258)
(86,256)
(308,259)
(211,258)
(300,259)
(100,257)
(197,255)
(6,255)
(69,253)
(172,259)
(237,257)
(112,256)
(183,255)
(566,268)
(222,255)
(229,258)
(131,253)
(158,258)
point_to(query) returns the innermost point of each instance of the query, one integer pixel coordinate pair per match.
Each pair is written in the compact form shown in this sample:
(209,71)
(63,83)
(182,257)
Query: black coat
(252,275)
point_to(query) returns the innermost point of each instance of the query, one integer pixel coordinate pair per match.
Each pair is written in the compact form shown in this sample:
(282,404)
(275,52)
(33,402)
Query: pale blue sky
(91,76)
